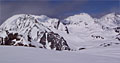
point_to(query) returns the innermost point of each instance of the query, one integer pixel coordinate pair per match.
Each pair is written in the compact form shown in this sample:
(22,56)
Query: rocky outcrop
(49,40)
(26,30)
(52,40)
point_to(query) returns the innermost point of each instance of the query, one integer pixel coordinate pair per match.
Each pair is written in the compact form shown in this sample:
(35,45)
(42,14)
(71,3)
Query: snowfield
(78,39)
(16,54)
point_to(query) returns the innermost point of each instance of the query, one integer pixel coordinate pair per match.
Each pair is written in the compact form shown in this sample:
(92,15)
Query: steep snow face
(111,20)
(85,32)
(22,23)
(49,22)
(81,19)
(27,30)
(82,23)
(52,23)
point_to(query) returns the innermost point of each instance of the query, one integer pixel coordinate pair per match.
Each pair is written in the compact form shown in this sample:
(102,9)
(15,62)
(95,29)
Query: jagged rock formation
(27,30)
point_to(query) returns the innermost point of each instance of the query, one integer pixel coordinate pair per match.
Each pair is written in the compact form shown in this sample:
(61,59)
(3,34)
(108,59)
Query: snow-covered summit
(21,23)
(111,20)
(27,30)
(87,30)
(80,18)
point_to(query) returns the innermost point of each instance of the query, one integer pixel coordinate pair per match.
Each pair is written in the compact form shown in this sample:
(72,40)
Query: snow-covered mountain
(30,30)
(88,32)
(111,20)
(79,31)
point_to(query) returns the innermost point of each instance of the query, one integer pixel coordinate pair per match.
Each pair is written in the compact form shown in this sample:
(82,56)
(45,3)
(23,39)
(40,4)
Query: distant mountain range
(75,32)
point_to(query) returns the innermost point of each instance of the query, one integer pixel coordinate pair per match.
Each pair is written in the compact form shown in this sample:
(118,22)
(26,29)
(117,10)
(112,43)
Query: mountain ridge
(51,33)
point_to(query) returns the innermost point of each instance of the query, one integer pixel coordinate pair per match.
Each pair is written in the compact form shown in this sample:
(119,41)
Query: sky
(57,8)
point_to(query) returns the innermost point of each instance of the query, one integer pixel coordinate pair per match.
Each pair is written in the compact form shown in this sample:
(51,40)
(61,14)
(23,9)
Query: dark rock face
(118,38)
(49,39)
(109,44)
(97,36)
(67,30)
(81,48)
(56,42)
(117,29)
(1,40)
(58,23)
(9,39)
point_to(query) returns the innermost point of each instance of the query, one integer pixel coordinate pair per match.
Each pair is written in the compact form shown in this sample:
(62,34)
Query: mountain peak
(80,19)
(29,30)
(110,15)
(111,20)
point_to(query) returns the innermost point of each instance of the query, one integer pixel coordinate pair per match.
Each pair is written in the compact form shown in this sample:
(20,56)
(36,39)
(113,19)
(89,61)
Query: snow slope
(86,32)
(111,20)
(12,54)
(81,31)
(31,31)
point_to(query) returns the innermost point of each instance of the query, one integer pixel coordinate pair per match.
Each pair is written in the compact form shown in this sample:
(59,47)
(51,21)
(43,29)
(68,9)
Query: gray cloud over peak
(54,8)
(51,9)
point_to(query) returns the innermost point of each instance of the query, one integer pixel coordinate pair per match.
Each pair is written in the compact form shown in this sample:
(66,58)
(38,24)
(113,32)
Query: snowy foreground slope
(12,54)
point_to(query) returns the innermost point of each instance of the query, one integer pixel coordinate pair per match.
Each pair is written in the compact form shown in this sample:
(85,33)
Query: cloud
(52,8)
(37,7)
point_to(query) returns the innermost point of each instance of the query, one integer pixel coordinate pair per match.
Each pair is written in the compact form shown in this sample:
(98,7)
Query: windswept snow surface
(12,54)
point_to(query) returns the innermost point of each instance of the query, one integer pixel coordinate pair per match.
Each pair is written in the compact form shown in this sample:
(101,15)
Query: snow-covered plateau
(10,54)
(26,38)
